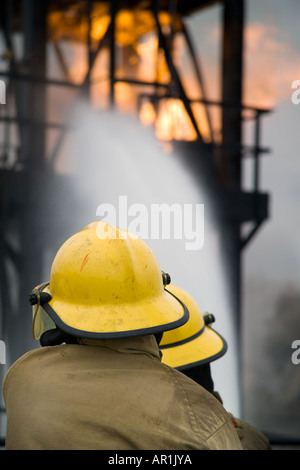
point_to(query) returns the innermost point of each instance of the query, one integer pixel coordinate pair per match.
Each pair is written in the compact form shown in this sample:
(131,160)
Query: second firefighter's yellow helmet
(105,283)
(195,342)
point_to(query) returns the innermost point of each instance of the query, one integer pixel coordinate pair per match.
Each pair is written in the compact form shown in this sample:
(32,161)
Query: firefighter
(191,348)
(98,381)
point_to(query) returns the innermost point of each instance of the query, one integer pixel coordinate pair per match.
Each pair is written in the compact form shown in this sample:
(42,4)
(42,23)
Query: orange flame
(137,56)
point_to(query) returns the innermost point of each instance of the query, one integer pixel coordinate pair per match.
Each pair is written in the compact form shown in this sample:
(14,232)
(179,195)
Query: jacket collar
(134,345)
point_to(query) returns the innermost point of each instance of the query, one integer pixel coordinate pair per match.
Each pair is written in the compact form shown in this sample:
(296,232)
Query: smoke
(271,64)
(118,160)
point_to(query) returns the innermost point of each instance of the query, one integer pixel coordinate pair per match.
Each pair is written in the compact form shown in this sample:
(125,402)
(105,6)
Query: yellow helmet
(105,282)
(195,342)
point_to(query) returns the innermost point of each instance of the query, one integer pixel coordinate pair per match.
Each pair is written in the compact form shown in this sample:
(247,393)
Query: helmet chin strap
(55,337)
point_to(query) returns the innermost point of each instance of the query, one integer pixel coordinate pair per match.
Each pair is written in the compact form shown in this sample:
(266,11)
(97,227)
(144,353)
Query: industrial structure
(27,171)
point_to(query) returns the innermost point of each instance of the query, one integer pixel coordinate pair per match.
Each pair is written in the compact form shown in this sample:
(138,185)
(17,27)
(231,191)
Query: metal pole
(113,11)
(230,165)
(30,217)
(174,73)
(199,75)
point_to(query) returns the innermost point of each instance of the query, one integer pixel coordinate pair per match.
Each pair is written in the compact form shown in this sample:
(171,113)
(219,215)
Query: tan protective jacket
(251,438)
(114,395)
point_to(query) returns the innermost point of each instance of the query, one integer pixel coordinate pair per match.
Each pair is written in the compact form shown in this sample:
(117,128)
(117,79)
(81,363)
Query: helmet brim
(204,348)
(154,315)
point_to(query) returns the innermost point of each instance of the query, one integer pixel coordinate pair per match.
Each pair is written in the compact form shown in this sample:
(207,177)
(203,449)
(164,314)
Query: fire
(173,123)
(147,113)
(138,57)
(71,24)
